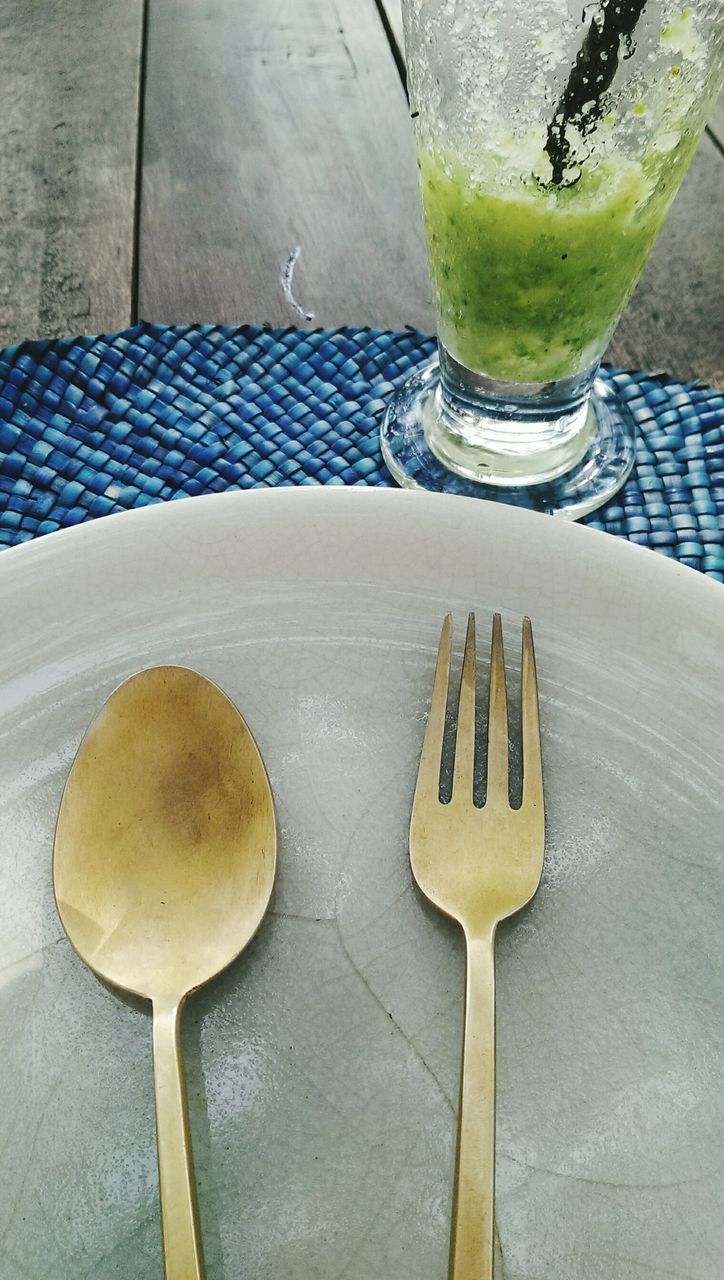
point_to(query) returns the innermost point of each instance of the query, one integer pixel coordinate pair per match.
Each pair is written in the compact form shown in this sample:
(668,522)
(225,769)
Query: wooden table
(173,159)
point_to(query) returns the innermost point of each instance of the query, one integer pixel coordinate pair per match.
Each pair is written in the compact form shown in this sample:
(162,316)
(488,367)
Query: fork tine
(428,774)
(497,785)
(465,737)
(530,724)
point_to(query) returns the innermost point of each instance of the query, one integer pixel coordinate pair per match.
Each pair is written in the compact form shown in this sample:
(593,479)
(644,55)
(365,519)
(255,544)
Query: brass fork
(478,865)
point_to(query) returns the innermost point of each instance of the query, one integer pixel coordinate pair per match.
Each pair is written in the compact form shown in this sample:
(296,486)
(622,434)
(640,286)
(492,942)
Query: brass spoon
(163,866)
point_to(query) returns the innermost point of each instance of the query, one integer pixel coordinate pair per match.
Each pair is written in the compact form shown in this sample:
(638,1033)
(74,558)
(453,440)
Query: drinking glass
(551,138)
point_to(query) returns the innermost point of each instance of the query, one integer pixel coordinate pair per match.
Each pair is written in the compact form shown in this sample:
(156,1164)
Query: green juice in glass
(530,281)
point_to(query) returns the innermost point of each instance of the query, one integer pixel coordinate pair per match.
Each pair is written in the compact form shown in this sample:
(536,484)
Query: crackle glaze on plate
(323,1067)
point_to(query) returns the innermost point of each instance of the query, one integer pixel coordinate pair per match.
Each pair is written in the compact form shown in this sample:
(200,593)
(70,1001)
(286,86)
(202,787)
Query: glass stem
(509,433)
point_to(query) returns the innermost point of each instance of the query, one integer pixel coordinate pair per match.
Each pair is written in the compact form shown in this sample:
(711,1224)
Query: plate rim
(645,559)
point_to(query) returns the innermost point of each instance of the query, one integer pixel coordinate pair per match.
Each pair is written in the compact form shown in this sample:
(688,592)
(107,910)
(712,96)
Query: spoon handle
(183,1256)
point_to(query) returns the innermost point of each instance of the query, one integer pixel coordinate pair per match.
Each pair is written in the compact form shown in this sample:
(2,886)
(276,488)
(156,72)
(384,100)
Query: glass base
(590,482)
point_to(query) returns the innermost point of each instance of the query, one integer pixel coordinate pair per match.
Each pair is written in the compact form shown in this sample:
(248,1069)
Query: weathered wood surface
(272,128)
(69,82)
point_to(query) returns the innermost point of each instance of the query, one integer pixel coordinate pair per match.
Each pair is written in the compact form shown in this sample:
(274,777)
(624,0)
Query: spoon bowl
(163,867)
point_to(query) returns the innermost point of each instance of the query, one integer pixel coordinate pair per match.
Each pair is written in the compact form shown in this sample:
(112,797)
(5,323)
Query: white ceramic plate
(323,1066)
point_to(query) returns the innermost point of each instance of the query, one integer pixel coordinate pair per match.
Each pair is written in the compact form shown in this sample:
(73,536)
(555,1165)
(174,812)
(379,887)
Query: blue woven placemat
(95,425)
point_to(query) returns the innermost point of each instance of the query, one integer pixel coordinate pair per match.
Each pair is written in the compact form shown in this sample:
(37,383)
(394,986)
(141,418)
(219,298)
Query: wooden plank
(273,126)
(69,79)
(675,320)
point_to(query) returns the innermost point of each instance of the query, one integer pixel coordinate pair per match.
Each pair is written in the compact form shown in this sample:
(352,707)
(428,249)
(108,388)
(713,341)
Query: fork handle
(182,1253)
(471,1242)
